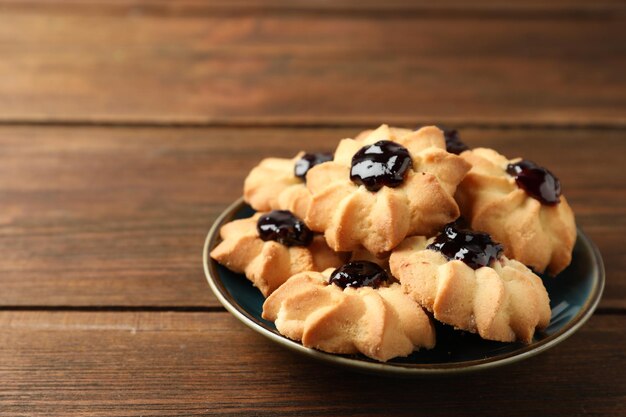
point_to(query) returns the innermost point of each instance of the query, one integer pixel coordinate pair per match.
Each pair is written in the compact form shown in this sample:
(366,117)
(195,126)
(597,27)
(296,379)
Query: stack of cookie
(360,250)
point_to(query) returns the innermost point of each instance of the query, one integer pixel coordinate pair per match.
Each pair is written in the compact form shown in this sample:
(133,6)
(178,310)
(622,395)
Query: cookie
(381,323)
(279,183)
(385,186)
(465,281)
(269,263)
(520,205)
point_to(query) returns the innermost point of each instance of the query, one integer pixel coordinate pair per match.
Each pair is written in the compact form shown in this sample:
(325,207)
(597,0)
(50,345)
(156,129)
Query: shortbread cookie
(453,141)
(383,187)
(362,254)
(465,281)
(395,131)
(519,204)
(357,311)
(269,248)
(279,183)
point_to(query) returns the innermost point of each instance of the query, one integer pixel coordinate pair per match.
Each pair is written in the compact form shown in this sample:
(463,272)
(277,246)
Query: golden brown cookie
(504,301)
(537,234)
(268,264)
(395,131)
(362,254)
(380,323)
(272,185)
(350,215)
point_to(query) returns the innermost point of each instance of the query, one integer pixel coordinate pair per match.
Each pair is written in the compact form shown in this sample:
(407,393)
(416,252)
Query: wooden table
(127,126)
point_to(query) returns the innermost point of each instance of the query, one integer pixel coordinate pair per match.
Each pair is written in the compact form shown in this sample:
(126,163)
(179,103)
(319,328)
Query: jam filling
(308,161)
(538,182)
(283,227)
(383,163)
(453,143)
(476,249)
(357,274)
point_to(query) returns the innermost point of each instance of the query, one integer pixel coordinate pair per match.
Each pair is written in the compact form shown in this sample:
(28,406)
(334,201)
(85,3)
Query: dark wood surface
(127,126)
(149,364)
(138,65)
(96,216)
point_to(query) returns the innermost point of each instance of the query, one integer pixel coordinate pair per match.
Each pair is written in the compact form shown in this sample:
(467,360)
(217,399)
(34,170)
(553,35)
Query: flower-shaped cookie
(502,300)
(521,208)
(395,131)
(278,183)
(381,188)
(381,323)
(269,263)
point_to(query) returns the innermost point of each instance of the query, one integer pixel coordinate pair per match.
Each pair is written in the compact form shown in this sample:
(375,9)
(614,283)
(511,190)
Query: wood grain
(498,7)
(127,126)
(117,217)
(166,364)
(75,64)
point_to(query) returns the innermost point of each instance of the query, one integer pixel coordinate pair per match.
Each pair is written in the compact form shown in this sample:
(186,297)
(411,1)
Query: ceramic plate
(574,295)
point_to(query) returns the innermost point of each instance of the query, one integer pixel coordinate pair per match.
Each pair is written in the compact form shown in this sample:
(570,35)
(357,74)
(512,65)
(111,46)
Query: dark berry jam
(476,249)
(538,182)
(383,163)
(283,227)
(453,143)
(308,161)
(357,274)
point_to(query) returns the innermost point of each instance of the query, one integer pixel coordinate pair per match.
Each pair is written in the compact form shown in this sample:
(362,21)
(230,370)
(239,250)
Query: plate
(574,295)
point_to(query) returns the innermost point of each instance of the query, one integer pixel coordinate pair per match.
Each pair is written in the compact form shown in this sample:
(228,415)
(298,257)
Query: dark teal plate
(574,295)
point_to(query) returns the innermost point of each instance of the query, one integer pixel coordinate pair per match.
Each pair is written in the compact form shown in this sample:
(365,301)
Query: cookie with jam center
(270,247)
(350,310)
(388,184)
(471,285)
(280,183)
(520,204)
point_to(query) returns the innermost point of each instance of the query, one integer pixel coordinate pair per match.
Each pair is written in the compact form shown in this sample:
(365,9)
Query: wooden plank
(272,68)
(166,364)
(117,217)
(501,7)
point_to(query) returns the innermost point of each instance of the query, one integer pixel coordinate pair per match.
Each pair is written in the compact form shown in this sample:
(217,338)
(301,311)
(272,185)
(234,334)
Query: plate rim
(391,368)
